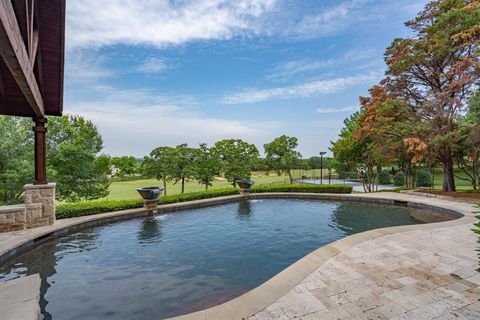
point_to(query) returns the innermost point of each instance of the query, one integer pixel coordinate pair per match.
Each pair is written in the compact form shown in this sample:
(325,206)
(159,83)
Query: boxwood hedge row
(85,208)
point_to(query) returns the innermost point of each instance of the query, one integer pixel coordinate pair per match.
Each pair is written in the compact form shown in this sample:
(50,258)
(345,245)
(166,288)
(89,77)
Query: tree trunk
(164,186)
(448,175)
(290,176)
(206,186)
(183,185)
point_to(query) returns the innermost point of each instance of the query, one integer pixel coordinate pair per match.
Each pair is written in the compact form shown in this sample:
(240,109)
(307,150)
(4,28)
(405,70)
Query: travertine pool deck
(422,271)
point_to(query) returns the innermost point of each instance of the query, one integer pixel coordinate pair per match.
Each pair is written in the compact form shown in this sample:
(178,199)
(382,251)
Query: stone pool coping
(259,298)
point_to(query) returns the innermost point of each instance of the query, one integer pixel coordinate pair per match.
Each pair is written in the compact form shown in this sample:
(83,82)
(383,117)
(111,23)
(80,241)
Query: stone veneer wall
(40,205)
(13,218)
(38,210)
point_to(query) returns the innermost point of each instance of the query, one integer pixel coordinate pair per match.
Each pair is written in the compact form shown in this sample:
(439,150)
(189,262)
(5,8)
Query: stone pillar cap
(39,186)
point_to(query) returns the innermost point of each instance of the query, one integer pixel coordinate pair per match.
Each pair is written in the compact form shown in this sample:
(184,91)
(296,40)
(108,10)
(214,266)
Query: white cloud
(302,90)
(85,66)
(337,110)
(161,22)
(153,65)
(330,20)
(292,68)
(135,122)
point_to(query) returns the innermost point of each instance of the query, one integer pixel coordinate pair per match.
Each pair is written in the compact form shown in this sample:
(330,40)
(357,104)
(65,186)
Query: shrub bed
(85,208)
(312,188)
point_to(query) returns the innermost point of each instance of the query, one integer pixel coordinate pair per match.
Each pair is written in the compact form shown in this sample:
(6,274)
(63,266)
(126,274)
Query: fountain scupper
(150,196)
(245,185)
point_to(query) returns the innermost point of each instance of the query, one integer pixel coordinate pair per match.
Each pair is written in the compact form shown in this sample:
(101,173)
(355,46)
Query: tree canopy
(237,158)
(281,155)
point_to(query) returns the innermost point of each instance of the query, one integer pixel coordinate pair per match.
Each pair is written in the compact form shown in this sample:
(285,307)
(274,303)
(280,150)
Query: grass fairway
(121,190)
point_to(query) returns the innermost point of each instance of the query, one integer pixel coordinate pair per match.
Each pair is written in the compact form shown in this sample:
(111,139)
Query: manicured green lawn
(461,184)
(120,190)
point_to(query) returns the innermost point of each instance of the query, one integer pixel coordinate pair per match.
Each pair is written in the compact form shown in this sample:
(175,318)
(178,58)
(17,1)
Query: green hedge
(85,208)
(312,188)
(198,195)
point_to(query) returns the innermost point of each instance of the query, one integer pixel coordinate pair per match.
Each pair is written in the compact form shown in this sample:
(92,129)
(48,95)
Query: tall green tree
(237,158)
(158,165)
(16,157)
(73,145)
(359,151)
(281,155)
(468,156)
(206,166)
(103,163)
(435,71)
(182,164)
(126,166)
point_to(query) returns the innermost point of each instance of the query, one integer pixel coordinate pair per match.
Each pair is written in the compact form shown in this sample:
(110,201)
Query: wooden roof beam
(15,55)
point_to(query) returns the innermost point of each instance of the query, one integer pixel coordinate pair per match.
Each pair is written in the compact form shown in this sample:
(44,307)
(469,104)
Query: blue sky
(150,73)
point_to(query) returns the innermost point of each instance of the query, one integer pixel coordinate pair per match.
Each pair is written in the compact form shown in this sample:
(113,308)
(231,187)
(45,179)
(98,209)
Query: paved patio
(428,274)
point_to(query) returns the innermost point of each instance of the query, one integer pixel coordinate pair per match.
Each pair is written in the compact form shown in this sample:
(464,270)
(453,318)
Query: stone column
(245,192)
(40,204)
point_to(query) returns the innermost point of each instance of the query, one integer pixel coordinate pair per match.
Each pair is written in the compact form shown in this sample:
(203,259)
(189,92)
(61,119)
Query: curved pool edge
(257,299)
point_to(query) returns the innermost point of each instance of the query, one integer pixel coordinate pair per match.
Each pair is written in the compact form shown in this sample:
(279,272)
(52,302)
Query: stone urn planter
(245,185)
(150,196)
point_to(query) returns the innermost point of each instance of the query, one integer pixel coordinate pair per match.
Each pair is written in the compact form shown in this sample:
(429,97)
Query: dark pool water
(177,263)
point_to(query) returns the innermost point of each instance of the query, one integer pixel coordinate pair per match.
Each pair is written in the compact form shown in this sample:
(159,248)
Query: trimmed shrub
(384,177)
(423,179)
(85,208)
(191,196)
(306,188)
(399,179)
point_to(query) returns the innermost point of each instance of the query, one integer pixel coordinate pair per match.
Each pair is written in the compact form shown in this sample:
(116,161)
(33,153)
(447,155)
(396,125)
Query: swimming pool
(173,264)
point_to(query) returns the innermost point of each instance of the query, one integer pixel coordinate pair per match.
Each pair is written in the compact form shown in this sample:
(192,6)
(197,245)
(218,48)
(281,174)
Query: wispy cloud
(85,66)
(337,110)
(161,22)
(329,20)
(153,65)
(301,90)
(293,68)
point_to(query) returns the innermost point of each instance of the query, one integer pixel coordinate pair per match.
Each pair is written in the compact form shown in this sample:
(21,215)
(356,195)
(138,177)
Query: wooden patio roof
(32,45)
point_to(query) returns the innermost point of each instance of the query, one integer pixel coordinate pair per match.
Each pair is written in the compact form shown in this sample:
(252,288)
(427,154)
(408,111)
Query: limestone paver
(19,298)
(422,275)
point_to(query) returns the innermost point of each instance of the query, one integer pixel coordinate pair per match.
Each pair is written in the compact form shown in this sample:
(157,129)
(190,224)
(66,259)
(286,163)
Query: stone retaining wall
(38,210)
(13,218)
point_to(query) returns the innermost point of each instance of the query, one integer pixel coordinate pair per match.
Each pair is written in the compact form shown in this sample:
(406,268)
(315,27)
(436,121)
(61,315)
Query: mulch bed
(466,196)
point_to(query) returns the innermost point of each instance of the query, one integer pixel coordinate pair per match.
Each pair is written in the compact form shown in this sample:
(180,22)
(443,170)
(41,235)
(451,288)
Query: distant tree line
(233,159)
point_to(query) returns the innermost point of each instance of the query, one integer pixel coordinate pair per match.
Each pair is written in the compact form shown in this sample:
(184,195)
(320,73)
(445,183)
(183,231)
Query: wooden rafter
(20,61)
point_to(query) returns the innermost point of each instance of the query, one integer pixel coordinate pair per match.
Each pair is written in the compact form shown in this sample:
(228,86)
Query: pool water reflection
(173,264)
